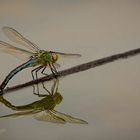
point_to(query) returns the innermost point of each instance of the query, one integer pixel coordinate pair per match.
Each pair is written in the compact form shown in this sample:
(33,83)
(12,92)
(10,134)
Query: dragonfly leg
(46,88)
(43,82)
(53,90)
(53,70)
(54,87)
(44,70)
(32,72)
(41,95)
(33,80)
(36,74)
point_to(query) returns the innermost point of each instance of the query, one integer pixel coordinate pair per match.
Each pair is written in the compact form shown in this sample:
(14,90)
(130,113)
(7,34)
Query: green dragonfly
(35,57)
(43,109)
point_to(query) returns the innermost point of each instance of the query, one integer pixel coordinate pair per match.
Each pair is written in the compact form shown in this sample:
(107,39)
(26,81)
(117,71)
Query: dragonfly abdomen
(7,103)
(13,72)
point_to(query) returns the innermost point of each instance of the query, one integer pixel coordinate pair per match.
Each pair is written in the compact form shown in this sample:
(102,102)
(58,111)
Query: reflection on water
(43,109)
(108,96)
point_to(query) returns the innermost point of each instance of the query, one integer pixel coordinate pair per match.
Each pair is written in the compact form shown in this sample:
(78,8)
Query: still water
(107,97)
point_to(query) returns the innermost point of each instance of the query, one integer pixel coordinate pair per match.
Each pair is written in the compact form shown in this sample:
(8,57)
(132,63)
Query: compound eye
(54,57)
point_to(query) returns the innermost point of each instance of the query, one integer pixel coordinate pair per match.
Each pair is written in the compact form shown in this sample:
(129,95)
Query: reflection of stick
(80,68)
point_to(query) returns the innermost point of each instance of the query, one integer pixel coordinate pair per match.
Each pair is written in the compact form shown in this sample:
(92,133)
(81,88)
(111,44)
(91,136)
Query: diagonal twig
(79,68)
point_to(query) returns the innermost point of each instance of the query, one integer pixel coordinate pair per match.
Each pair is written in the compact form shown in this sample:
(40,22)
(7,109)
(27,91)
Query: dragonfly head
(57,98)
(54,57)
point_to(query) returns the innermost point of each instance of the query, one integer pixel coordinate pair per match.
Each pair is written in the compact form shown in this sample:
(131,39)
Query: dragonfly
(35,57)
(43,109)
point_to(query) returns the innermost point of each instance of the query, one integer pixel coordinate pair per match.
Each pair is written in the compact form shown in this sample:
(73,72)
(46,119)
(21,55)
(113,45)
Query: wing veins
(16,37)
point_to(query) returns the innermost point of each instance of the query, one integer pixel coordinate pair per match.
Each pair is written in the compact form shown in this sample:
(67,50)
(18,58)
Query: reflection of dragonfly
(35,57)
(43,109)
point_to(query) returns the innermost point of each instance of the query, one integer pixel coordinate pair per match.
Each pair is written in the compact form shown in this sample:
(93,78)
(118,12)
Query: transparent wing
(16,37)
(68,55)
(17,52)
(29,112)
(69,118)
(49,117)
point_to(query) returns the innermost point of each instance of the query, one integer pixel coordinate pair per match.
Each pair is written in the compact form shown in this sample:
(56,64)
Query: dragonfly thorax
(45,57)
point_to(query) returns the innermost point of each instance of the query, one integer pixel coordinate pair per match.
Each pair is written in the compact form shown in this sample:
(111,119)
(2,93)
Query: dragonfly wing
(20,53)
(29,112)
(16,37)
(68,55)
(69,118)
(46,115)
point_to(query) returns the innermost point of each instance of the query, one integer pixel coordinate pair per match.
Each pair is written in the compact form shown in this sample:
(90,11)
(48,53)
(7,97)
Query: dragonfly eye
(58,98)
(54,57)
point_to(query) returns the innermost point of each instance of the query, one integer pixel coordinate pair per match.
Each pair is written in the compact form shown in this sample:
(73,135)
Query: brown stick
(78,68)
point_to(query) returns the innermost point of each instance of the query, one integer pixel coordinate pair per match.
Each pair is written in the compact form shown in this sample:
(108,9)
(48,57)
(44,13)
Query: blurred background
(108,97)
